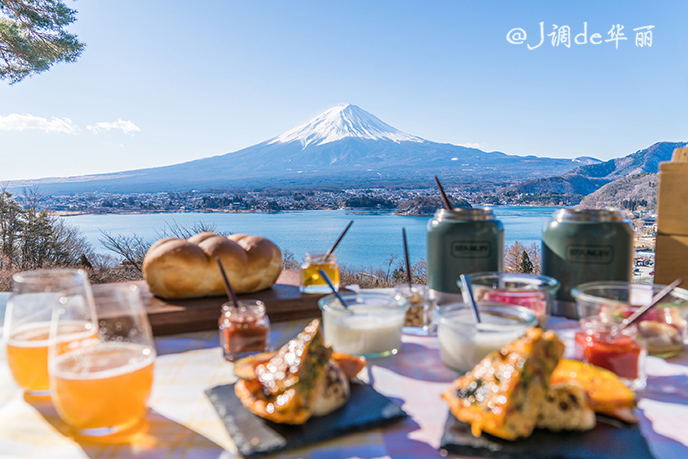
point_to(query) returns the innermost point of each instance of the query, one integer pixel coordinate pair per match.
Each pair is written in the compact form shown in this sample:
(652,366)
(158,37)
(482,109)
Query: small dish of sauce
(464,342)
(370,326)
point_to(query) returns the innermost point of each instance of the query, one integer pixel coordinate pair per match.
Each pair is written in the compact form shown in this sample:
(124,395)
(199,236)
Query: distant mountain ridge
(589,178)
(634,192)
(341,146)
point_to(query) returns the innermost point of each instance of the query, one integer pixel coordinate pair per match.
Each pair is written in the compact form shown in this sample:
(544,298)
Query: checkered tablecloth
(182,422)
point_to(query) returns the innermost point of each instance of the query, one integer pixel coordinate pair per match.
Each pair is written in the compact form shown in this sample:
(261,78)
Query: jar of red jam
(531,291)
(244,329)
(620,351)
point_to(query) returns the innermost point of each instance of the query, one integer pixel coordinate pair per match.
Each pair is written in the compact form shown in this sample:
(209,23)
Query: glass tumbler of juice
(27,323)
(100,387)
(311,280)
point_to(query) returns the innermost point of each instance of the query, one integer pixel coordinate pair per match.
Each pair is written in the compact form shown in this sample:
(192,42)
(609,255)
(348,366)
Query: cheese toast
(503,394)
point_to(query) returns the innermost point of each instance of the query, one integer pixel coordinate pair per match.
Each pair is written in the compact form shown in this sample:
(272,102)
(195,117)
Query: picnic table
(183,423)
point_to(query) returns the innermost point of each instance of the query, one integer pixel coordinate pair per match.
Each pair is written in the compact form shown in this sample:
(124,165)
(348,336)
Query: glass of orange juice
(100,387)
(27,322)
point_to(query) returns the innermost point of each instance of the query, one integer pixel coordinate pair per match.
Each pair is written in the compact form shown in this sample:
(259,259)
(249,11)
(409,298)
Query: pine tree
(11,224)
(37,242)
(526,265)
(31,238)
(33,37)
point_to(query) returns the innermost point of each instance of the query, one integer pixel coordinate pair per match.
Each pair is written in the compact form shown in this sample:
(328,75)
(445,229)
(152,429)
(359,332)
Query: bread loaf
(176,268)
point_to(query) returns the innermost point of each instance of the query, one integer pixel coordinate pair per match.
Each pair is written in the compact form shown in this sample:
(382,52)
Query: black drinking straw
(467,290)
(331,285)
(228,287)
(666,291)
(408,262)
(339,239)
(443,195)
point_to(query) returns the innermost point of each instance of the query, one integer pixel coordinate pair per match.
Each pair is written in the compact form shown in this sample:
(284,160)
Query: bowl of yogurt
(464,342)
(370,325)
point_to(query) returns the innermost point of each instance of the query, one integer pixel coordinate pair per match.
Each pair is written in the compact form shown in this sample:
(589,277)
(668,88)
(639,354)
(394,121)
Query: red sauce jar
(620,351)
(244,329)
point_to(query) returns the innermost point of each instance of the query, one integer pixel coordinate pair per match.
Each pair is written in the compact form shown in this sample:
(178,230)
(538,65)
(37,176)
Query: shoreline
(76,213)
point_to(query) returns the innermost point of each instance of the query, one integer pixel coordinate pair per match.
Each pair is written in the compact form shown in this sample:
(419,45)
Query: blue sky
(162,82)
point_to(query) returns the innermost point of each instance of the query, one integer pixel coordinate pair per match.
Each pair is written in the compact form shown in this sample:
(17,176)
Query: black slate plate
(609,439)
(255,436)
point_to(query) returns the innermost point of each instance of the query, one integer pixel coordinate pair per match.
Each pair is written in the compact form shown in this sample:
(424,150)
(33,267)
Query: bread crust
(176,268)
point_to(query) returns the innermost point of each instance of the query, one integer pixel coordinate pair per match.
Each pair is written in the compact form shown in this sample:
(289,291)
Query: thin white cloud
(125,126)
(27,122)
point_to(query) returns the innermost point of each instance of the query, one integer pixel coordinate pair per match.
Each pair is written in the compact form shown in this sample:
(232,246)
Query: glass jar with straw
(418,319)
(243,324)
(313,263)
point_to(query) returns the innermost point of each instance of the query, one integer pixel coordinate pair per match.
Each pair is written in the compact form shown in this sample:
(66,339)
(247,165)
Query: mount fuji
(343,146)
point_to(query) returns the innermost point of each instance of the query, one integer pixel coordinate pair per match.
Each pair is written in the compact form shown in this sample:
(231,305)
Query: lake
(373,238)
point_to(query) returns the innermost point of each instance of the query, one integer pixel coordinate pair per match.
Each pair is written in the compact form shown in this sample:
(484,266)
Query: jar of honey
(311,280)
(621,351)
(244,329)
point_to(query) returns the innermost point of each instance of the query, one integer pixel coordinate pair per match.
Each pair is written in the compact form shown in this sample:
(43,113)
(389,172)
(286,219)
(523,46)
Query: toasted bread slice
(245,368)
(332,392)
(503,393)
(607,394)
(351,365)
(285,387)
(566,407)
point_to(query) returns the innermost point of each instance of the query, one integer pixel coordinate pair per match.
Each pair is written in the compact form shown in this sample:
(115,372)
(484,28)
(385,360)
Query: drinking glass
(27,322)
(418,319)
(664,328)
(531,291)
(370,325)
(101,386)
(311,280)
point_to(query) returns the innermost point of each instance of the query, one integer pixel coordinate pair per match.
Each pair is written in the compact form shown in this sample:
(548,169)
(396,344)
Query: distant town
(408,201)
(404,201)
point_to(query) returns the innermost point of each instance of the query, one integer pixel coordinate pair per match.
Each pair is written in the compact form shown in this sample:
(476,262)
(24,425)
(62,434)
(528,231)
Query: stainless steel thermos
(462,241)
(585,245)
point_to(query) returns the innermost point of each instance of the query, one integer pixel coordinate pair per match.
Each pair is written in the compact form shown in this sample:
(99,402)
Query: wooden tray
(283,301)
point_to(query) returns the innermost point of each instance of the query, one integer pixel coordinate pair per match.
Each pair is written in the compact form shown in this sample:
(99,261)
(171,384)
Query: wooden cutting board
(283,301)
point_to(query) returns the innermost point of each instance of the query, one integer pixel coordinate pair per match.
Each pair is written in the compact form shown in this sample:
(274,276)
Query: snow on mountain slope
(341,122)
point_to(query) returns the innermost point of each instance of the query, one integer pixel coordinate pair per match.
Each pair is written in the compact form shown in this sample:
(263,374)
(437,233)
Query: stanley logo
(471,249)
(600,254)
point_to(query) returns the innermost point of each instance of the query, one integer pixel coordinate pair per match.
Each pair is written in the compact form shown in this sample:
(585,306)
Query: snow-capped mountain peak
(340,122)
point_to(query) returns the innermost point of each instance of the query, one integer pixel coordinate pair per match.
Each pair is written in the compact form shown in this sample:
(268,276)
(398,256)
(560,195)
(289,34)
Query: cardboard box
(672,199)
(671,258)
(680,155)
